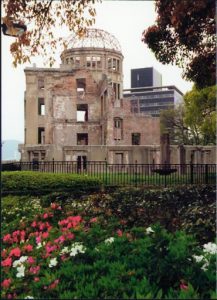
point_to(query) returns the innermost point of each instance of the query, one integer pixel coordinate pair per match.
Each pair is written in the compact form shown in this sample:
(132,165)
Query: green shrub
(190,208)
(25,182)
(55,254)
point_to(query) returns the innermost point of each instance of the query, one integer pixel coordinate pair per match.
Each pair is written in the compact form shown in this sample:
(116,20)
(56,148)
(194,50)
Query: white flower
(77,248)
(39,246)
(198,258)
(109,240)
(29,297)
(23,258)
(64,250)
(20,271)
(19,261)
(53,262)
(210,248)
(204,267)
(149,230)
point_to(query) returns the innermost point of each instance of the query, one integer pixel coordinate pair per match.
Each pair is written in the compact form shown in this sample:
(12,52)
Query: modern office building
(148,96)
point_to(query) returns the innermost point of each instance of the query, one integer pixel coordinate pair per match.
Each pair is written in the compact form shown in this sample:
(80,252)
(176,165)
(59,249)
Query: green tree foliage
(184,34)
(42,18)
(200,114)
(172,122)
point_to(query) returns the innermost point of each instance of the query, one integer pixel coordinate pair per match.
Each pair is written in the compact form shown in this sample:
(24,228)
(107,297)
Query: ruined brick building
(77,112)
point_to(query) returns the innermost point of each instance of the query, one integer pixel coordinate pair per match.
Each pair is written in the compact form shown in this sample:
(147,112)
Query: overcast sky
(126,20)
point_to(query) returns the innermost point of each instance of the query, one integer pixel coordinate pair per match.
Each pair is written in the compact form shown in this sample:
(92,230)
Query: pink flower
(55,206)
(60,239)
(70,236)
(4,253)
(30,260)
(34,224)
(54,284)
(63,257)
(6,283)
(119,232)
(12,296)
(38,239)
(183,285)
(93,220)
(22,234)
(36,279)
(50,248)
(15,233)
(28,248)
(15,252)
(7,262)
(7,238)
(45,216)
(45,234)
(34,270)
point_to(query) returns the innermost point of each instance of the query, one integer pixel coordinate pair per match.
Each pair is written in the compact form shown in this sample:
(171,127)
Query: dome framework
(94,38)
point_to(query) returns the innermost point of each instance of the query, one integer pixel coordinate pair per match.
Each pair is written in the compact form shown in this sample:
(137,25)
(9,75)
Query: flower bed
(58,254)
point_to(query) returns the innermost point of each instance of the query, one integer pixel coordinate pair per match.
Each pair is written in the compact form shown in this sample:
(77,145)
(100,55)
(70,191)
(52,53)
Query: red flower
(7,238)
(119,232)
(54,284)
(15,252)
(7,262)
(4,253)
(45,216)
(34,224)
(30,260)
(93,220)
(28,248)
(45,234)
(34,270)
(70,236)
(38,239)
(183,285)
(36,279)
(6,283)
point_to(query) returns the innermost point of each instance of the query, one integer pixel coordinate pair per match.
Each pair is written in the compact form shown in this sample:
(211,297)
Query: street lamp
(15,30)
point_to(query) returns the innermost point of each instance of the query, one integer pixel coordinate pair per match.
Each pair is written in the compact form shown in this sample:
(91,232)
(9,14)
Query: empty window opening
(82,113)
(98,61)
(72,60)
(109,63)
(77,61)
(41,83)
(94,62)
(115,89)
(88,61)
(82,139)
(118,129)
(41,135)
(136,138)
(82,162)
(118,65)
(117,123)
(114,65)
(41,107)
(119,93)
(81,84)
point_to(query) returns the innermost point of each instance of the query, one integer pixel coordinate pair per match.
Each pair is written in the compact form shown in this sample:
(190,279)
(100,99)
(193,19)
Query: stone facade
(77,112)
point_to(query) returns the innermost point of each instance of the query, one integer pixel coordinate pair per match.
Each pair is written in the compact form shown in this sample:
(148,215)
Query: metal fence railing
(125,174)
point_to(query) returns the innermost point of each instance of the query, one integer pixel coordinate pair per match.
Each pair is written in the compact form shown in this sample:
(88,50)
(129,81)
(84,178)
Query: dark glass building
(148,96)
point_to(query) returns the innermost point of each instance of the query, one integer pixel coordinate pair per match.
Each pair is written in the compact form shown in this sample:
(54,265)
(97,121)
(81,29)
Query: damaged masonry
(77,112)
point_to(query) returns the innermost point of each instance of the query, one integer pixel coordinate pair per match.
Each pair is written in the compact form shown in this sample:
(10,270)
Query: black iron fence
(125,174)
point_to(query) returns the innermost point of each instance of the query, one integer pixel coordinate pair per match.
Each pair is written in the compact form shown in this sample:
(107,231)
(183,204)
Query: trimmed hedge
(37,183)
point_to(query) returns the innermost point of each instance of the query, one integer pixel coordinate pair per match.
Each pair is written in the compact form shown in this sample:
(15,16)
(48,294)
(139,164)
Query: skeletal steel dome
(94,38)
